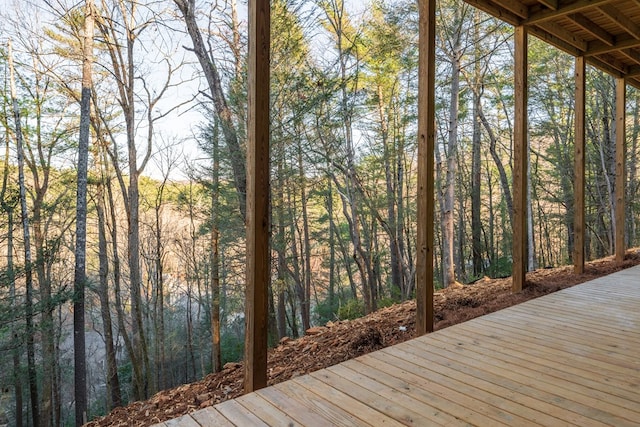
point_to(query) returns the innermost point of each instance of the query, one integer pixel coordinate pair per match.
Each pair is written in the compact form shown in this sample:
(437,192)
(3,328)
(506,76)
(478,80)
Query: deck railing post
(621,155)
(258,188)
(426,135)
(520,159)
(579,167)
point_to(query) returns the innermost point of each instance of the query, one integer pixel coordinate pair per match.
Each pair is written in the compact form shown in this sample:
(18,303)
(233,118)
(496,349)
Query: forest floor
(339,341)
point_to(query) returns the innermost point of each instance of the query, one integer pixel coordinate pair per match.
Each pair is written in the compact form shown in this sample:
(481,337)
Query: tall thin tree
(80,278)
(8,203)
(31,363)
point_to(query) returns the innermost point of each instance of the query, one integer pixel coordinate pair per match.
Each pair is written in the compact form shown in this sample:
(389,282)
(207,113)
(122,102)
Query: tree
(80,278)
(455,30)
(123,65)
(31,364)
(8,202)
(347,41)
(390,62)
(212,75)
(113,379)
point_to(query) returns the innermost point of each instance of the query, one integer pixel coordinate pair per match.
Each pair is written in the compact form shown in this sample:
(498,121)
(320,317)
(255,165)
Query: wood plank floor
(569,358)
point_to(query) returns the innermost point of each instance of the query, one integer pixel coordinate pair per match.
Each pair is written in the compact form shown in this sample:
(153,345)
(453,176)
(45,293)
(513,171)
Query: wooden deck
(569,358)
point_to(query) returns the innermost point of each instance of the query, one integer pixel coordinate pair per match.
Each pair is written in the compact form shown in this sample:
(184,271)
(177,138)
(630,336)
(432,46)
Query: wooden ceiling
(606,32)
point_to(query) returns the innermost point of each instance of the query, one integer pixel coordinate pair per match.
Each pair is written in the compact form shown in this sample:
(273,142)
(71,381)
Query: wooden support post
(579,168)
(258,187)
(520,150)
(621,154)
(426,136)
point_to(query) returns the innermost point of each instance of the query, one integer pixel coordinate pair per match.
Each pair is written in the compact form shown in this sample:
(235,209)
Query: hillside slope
(340,341)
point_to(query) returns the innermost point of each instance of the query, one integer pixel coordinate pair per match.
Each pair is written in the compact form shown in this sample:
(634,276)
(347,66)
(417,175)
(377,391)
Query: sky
(179,127)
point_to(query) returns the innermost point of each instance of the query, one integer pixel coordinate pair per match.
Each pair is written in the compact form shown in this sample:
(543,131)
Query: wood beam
(503,13)
(620,19)
(551,4)
(615,64)
(426,137)
(632,55)
(579,168)
(577,6)
(596,47)
(621,155)
(634,71)
(600,64)
(567,36)
(633,82)
(592,28)
(258,189)
(554,40)
(520,151)
(516,7)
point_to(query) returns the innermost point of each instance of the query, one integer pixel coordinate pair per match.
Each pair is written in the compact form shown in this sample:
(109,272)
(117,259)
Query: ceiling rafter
(633,71)
(606,32)
(497,10)
(614,63)
(598,63)
(563,10)
(597,47)
(592,28)
(554,40)
(631,54)
(551,4)
(620,19)
(565,35)
(516,7)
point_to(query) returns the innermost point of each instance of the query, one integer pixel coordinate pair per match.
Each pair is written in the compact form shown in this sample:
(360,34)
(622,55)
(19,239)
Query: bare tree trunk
(80,279)
(279,240)
(31,363)
(216,351)
(113,380)
(190,376)
(17,380)
(137,374)
(391,180)
(297,273)
(42,265)
(350,194)
(281,312)
(448,199)
(332,246)
(403,221)
(158,278)
(504,180)
(307,241)
(476,182)
(531,252)
(237,156)
(632,186)
(8,206)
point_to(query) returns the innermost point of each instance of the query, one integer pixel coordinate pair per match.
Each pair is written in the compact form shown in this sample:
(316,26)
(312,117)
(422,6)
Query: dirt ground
(339,341)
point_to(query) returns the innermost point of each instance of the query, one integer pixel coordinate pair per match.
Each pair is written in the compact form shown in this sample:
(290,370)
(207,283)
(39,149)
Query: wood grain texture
(565,359)
(621,172)
(520,161)
(258,191)
(426,137)
(579,168)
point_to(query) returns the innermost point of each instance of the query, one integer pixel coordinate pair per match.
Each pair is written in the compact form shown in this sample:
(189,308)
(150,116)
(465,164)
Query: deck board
(569,358)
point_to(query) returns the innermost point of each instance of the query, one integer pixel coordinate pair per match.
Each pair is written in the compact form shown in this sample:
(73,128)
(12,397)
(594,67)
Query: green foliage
(326,311)
(386,302)
(125,374)
(352,309)
(502,267)
(232,346)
